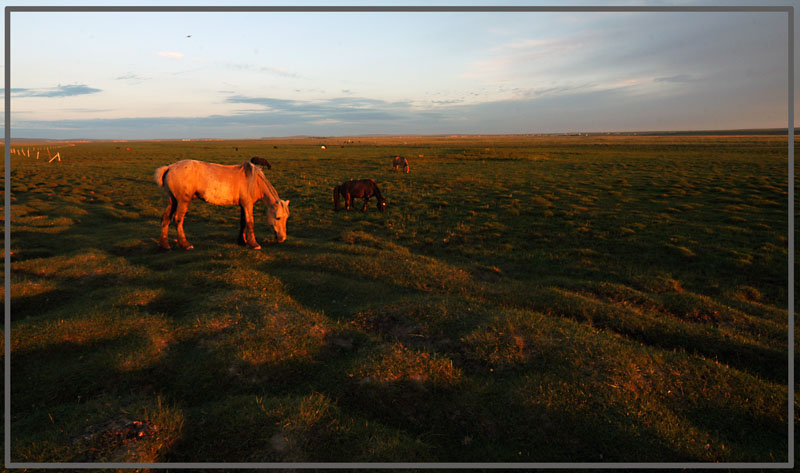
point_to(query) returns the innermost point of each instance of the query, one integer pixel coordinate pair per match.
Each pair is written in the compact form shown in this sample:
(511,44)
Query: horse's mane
(254,177)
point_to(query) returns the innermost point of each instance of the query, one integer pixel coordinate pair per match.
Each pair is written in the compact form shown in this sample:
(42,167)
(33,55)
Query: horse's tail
(336,197)
(159,175)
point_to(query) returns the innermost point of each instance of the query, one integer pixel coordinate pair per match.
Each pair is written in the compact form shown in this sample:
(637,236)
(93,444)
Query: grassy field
(584,299)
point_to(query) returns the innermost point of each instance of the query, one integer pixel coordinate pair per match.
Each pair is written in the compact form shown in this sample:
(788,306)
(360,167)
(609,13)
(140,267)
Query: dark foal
(365,188)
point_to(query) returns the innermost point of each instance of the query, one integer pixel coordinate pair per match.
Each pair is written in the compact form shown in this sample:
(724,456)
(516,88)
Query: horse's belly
(220,194)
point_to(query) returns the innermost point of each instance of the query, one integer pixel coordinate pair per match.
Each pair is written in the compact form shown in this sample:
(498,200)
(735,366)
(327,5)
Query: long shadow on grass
(191,374)
(336,295)
(479,421)
(654,329)
(67,372)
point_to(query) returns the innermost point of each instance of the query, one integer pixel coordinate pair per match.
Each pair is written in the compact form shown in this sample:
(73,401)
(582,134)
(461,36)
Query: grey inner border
(388,9)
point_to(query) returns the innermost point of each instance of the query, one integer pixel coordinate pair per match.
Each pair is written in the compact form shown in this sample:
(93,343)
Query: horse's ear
(287,203)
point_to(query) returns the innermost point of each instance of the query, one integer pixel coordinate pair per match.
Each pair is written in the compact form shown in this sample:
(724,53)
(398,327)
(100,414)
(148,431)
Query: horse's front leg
(242,238)
(348,200)
(179,216)
(366,201)
(250,234)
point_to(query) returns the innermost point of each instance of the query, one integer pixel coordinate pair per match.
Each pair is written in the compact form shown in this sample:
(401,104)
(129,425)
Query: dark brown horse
(365,188)
(239,184)
(260,162)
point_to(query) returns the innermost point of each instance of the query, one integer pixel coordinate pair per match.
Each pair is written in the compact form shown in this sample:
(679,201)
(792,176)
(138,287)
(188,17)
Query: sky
(174,75)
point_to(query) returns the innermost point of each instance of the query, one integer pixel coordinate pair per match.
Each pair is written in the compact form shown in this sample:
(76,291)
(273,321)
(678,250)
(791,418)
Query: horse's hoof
(257,247)
(190,247)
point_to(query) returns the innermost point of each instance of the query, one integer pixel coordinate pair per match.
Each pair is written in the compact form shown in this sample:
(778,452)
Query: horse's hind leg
(172,204)
(242,237)
(179,216)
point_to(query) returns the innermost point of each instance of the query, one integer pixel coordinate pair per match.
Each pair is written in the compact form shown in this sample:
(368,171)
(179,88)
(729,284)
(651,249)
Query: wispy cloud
(14,90)
(676,78)
(170,54)
(517,58)
(338,108)
(278,71)
(271,70)
(58,91)
(132,78)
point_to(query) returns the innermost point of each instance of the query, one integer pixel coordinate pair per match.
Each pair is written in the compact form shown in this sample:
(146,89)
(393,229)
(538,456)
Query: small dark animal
(260,162)
(365,188)
(398,161)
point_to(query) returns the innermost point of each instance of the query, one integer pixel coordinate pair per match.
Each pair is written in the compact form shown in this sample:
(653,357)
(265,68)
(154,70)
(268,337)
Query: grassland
(580,299)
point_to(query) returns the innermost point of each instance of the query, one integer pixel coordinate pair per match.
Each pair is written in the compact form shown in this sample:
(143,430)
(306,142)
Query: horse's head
(381,204)
(277,214)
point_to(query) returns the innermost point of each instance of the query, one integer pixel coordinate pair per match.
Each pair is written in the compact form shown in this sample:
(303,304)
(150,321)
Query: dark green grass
(522,299)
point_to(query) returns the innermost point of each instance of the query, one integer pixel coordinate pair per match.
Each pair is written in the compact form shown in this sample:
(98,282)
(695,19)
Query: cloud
(170,54)
(14,90)
(675,78)
(271,70)
(271,117)
(58,91)
(132,78)
(278,71)
(545,113)
(339,108)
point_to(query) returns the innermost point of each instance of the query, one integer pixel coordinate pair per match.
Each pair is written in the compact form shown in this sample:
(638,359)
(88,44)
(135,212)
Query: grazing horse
(238,184)
(398,161)
(260,162)
(365,188)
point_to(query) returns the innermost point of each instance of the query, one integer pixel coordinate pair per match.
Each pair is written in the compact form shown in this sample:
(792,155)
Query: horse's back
(361,187)
(220,184)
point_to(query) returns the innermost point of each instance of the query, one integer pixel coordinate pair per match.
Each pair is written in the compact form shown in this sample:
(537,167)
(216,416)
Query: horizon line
(775,131)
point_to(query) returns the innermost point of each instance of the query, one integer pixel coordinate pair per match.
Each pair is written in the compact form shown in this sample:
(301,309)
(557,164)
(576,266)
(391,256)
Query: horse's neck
(268,193)
(376,191)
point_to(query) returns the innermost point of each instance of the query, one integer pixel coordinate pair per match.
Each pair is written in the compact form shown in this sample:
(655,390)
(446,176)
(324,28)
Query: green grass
(522,299)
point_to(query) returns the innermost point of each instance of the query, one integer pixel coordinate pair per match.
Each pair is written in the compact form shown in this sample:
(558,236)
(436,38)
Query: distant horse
(238,184)
(365,188)
(398,161)
(260,162)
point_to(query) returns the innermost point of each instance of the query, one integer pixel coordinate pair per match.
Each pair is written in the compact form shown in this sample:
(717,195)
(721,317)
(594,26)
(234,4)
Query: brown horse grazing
(365,188)
(243,184)
(397,162)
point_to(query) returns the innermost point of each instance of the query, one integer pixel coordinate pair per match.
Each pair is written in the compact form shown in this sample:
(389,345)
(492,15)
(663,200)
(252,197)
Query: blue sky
(250,75)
